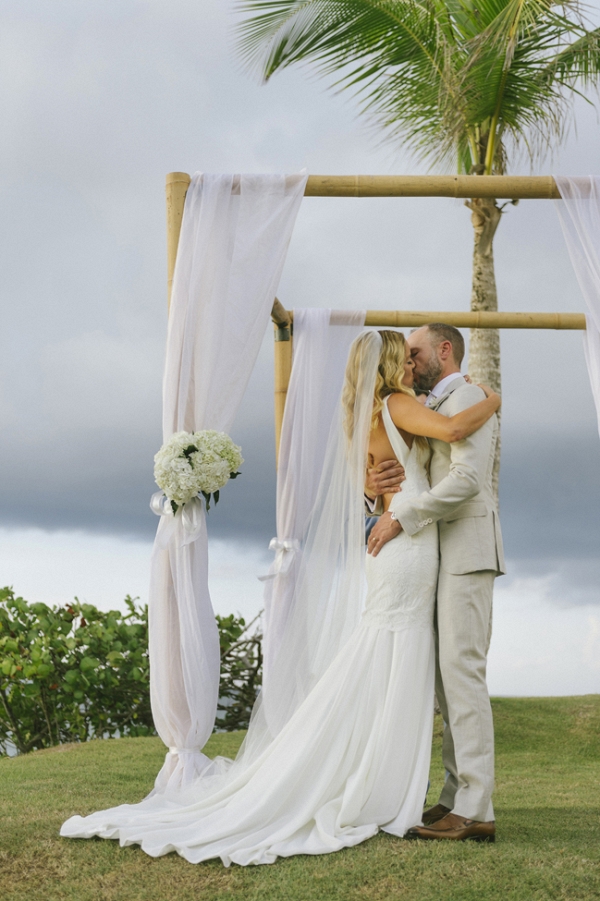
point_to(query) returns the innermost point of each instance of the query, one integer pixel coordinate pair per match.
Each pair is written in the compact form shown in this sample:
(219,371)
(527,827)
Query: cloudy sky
(100,100)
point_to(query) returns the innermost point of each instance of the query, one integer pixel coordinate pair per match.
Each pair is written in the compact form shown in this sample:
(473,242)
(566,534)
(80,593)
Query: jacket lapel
(454,384)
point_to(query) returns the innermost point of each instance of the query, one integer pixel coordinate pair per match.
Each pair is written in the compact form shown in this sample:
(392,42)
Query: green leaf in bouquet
(207,499)
(234,475)
(216,497)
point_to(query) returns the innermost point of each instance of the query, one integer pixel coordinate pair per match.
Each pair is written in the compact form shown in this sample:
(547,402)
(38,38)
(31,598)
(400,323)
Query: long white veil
(328,595)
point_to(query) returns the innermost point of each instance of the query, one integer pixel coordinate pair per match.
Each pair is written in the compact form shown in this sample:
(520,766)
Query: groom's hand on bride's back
(385,478)
(383,531)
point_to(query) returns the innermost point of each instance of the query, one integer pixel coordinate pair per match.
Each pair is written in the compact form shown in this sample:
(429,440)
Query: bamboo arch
(513,187)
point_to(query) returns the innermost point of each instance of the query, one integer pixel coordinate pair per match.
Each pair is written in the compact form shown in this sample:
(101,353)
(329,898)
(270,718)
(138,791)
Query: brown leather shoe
(455,828)
(434,814)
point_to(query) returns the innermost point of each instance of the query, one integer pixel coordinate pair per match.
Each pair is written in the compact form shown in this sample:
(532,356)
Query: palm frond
(580,60)
(455,80)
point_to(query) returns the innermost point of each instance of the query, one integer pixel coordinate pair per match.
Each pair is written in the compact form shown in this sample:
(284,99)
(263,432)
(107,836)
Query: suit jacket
(461,499)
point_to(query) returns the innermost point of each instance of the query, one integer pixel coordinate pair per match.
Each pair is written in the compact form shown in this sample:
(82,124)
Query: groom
(461,501)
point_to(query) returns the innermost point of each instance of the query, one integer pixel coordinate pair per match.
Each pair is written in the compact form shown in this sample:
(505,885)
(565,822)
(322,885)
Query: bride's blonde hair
(390,372)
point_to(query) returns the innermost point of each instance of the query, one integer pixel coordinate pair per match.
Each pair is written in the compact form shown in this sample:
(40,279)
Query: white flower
(192,463)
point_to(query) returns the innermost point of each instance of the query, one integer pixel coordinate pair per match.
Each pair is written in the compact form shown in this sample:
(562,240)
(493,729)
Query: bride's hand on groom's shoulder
(386,478)
(383,531)
(489,392)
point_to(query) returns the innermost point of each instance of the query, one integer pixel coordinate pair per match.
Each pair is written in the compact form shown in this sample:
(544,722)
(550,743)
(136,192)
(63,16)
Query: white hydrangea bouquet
(190,464)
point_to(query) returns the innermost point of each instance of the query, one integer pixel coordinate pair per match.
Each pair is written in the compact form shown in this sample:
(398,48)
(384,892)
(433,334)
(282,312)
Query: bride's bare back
(380,450)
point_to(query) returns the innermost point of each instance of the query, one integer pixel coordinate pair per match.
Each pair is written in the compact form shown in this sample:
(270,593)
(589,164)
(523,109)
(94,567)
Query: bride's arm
(411,416)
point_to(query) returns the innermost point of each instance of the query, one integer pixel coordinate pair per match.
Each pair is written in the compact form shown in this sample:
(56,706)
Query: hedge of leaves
(241,671)
(73,673)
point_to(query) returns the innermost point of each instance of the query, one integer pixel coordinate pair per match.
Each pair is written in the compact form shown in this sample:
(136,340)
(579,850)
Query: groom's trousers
(463,632)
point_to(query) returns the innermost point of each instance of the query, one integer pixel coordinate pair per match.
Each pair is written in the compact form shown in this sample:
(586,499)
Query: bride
(339,742)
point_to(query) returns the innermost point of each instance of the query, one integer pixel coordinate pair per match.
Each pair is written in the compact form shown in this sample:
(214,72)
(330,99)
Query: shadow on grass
(557,826)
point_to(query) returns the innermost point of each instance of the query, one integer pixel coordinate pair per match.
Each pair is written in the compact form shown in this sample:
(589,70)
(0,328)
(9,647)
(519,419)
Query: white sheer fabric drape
(234,238)
(579,213)
(322,339)
(322,602)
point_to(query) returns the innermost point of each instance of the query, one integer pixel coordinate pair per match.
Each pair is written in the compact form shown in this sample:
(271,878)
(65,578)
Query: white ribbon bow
(190,517)
(286,550)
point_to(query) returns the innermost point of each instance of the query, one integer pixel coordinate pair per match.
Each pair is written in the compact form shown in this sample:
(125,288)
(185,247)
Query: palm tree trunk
(484,347)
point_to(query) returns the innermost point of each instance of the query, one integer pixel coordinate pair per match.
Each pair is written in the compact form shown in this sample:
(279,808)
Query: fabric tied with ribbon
(182,766)
(190,516)
(286,551)
(233,242)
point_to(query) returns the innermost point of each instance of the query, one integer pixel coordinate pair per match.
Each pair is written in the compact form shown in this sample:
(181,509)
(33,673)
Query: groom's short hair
(442,332)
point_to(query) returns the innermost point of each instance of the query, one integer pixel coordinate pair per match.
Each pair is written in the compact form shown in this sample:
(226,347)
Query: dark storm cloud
(108,489)
(550,490)
(563,581)
(550,494)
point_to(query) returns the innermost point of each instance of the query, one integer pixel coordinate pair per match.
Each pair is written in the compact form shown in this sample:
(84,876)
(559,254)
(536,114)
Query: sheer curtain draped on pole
(322,340)
(579,214)
(234,238)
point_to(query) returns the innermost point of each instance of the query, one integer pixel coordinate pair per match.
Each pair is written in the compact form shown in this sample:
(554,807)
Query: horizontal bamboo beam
(478,320)
(409,319)
(513,187)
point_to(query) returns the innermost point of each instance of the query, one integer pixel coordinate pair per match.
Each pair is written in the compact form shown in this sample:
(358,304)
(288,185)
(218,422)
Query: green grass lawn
(547,808)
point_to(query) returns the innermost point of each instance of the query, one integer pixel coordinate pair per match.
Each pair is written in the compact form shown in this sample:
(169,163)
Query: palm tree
(467,84)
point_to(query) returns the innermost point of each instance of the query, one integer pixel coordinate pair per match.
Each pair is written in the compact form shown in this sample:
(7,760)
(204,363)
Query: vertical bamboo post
(176,189)
(283,368)
(283,365)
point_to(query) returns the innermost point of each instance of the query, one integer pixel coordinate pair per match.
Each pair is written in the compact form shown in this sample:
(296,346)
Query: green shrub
(241,672)
(71,673)
(74,673)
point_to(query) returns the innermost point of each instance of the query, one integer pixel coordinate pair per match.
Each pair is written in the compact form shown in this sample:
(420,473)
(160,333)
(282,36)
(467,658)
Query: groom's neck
(449,369)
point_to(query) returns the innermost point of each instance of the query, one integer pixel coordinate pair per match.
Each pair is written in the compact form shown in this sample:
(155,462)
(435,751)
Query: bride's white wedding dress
(353,758)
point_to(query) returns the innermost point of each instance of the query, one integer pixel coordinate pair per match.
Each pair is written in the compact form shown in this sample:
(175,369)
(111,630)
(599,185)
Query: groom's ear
(445,350)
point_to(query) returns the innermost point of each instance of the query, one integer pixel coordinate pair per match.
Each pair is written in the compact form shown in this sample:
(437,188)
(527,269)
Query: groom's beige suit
(461,500)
